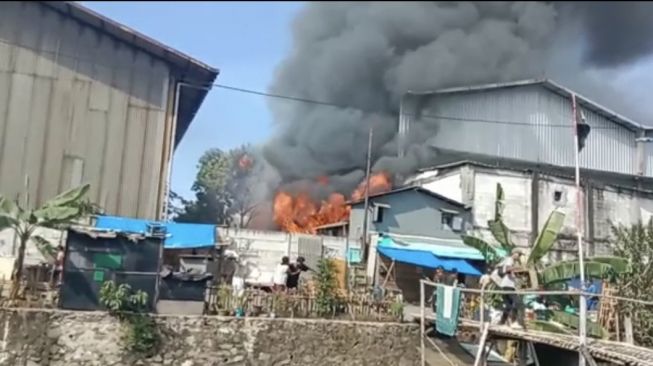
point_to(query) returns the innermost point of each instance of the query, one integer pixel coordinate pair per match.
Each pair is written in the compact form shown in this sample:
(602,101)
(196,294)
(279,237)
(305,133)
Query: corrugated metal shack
(94,256)
(85,99)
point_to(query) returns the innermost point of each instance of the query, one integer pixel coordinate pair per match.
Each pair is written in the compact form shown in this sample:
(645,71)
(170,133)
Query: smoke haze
(365,55)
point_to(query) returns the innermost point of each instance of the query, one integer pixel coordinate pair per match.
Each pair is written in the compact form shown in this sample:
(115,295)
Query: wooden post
(482,310)
(421,322)
(480,353)
(366,243)
(387,275)
(522,354)
(588,356)
(486,355)
(531,348)
(628,330)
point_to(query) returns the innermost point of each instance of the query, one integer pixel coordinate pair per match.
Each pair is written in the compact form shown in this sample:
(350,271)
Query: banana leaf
(573,321)
(68,197)
(619,264)
(7,221)
(8,207)
(567,270)
(546,326)
(489,252)
(501,233)
(47,250)
(547,237)
(53,215)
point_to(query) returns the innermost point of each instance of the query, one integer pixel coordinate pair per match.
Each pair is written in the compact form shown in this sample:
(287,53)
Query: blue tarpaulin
(448,248)
(178,236)
(426,259)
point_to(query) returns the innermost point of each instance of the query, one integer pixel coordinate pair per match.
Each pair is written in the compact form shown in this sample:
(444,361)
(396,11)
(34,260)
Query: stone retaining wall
(63,338)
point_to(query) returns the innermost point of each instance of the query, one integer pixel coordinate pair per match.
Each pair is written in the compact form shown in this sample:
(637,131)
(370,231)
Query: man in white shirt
(512,303)
(281,274)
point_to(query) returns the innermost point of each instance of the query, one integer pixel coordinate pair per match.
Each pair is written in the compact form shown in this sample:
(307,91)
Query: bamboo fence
(304,304)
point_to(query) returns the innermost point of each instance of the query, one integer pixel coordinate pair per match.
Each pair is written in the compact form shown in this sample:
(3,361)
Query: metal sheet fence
(89,262)
(311,248)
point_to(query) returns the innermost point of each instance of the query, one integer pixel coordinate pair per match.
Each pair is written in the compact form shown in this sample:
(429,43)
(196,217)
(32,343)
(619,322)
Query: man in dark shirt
(294,270)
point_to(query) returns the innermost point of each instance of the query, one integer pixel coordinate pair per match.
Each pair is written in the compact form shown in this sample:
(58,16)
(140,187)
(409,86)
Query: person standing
(281,274)
(440,278)
(58,265)
(294,272)
(512,304)
(454,278)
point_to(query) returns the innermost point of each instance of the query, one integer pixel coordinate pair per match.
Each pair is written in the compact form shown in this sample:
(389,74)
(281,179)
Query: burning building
(302,213)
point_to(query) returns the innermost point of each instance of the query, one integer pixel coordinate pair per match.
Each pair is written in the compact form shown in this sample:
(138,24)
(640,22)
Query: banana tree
(596,267)
(57,213)
(494,252)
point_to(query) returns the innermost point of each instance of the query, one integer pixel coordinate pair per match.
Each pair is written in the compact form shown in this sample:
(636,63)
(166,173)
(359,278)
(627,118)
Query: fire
(323,180)
(245,162)
(379,183)
(301,214)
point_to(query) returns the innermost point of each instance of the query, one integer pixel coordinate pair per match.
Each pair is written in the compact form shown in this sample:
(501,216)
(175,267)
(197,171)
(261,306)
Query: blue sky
(245,40)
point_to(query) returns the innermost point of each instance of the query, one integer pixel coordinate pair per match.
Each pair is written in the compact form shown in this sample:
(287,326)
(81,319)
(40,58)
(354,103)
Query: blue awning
(426,259)
(448,248)
(179,236)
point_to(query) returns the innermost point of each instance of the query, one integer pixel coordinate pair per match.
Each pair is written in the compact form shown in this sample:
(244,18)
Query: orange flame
(300,214)
(245,162)
(379,183)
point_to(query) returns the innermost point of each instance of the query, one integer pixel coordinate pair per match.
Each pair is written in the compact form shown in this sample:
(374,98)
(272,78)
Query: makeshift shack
(181,288)
(404,260)
(94,256)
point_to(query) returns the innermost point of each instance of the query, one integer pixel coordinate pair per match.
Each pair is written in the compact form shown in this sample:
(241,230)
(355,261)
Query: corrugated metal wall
(78,106)
(532,131)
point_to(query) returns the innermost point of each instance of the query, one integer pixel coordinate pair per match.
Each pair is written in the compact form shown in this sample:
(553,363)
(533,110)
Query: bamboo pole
(421,322)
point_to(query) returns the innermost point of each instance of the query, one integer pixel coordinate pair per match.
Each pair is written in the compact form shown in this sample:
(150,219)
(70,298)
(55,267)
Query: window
(451,221)
(378,211)
(557,196)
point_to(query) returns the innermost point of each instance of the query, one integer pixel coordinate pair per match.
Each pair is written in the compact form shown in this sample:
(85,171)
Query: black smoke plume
(363,56)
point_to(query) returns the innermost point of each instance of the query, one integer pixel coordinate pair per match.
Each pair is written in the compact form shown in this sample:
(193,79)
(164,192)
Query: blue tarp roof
(429,255)
(429,260)
(179,236)
(448,248)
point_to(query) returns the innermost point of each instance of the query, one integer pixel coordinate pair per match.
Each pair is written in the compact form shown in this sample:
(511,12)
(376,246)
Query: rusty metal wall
(524,123)
(311,248)
(78,106)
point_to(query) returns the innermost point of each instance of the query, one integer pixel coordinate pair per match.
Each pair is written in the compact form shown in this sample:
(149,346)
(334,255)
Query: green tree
(635,245)
(222,190)
(327,299)
(56,213)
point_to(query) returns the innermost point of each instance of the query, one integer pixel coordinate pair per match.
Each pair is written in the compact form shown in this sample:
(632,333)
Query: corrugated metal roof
(410,188)
(185,68)
(633,182)
(552,86)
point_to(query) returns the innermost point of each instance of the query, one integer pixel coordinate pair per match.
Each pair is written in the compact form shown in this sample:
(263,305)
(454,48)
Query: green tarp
(447,310)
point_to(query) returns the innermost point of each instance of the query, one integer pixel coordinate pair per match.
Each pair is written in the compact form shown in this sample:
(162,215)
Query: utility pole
(368,169)
(582,328)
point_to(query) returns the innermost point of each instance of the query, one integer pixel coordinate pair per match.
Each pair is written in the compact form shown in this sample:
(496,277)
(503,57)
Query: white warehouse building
(533,191)
(520,134)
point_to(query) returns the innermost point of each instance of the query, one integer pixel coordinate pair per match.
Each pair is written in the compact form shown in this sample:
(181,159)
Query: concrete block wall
(263,250)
